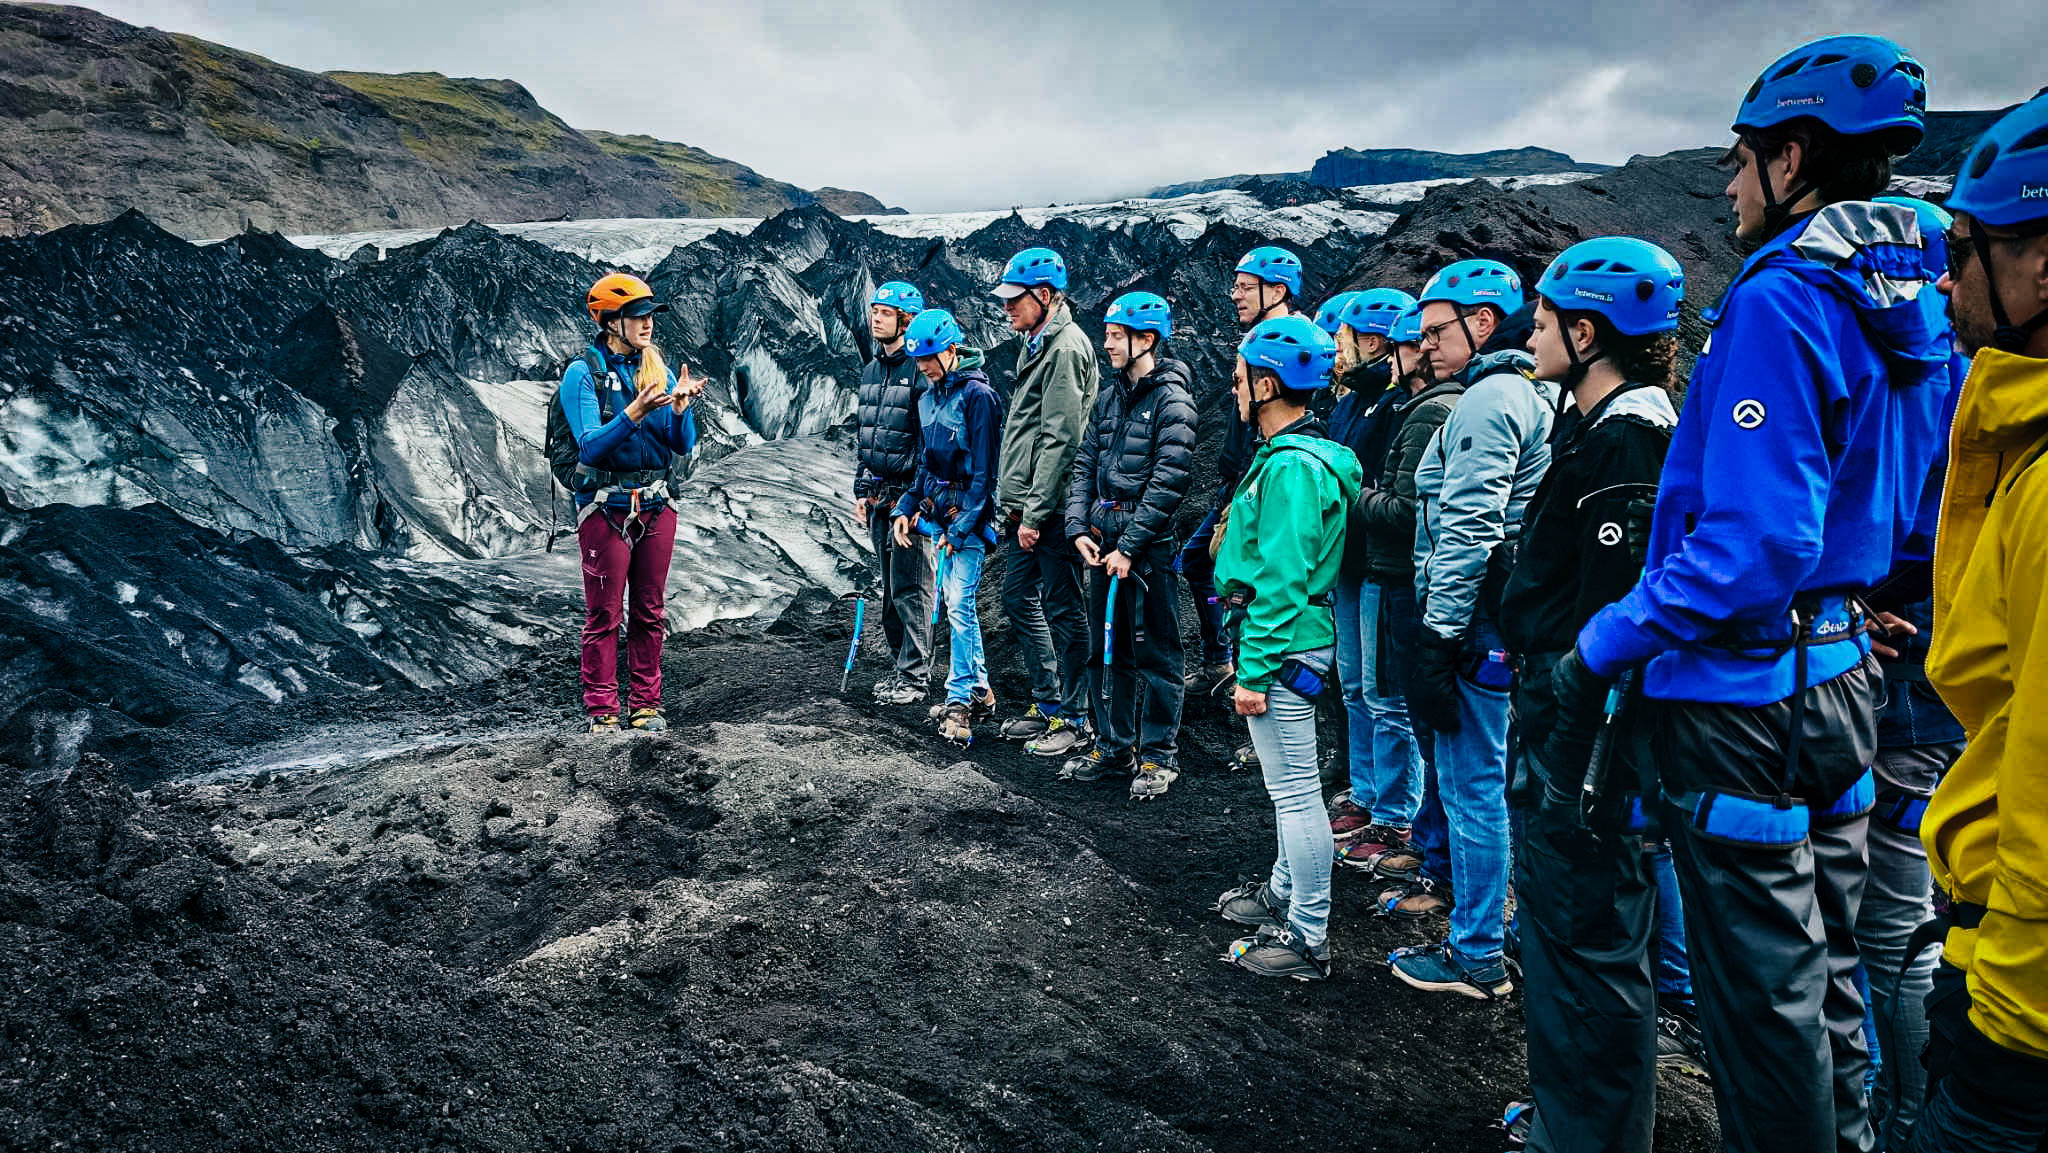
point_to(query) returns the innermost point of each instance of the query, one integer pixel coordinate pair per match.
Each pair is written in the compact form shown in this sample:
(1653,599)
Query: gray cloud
(943,105)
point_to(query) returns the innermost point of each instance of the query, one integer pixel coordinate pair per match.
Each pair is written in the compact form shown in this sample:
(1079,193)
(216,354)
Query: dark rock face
(98,117)
(1347,167)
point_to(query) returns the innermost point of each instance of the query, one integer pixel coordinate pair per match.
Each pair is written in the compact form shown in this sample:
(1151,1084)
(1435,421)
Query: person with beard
(887,445)
(1793,480)
(1133,470)
(1984,829)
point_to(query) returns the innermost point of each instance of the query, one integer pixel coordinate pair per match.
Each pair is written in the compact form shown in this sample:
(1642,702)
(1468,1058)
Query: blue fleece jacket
(1797,466)
(618,444)
(961,421)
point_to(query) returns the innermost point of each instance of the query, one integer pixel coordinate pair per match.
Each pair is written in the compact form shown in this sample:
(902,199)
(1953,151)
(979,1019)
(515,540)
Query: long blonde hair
(652,368)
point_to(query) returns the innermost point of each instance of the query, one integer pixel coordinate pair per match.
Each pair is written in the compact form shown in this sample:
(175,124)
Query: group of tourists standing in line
(1670,675)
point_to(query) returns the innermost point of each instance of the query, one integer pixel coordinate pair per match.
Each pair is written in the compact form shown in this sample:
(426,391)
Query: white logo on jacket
(1749,413)
(1610,534)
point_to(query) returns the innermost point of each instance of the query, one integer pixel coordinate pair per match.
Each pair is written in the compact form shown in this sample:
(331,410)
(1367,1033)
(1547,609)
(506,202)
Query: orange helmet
(621,292)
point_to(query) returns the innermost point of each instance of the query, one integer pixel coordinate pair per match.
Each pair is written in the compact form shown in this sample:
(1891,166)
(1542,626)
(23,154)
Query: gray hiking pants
(906,596)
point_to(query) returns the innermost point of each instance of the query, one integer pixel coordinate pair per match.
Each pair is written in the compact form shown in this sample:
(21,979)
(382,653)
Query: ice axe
(860,616)
(1594,786)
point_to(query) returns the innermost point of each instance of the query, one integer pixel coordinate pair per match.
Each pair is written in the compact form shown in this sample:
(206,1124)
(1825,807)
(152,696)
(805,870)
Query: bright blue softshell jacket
(1798,463)
(619,445)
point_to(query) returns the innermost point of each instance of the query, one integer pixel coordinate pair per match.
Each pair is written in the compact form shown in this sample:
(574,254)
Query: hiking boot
(1094,765)
(1061,738)
(1679,1044)
(884,683)
(646,720)
(1518,1120)
(1032,724)
(1347,816)
(1402,864)
(1414,900)
(1252,903)
(1152,780)
(604,723)
(1246,756)
(1211,680)
(898,692)
(1281,952)
(1435,969)
(981,703)
(956,724)
(1370,842)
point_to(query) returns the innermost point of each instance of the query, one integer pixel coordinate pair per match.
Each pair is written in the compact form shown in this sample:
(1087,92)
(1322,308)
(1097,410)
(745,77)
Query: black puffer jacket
(1136,462)
(888,438)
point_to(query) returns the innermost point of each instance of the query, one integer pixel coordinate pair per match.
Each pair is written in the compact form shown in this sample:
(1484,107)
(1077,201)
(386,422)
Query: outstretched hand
(688,388)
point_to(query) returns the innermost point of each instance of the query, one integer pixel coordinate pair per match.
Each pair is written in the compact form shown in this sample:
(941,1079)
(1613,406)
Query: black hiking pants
(1997,1110)
(907,575)
(1047,609)
(1771,930)
(1137,699)
(1587,904)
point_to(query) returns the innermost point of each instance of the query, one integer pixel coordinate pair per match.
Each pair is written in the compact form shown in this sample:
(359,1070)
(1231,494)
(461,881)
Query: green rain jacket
(1048,415)
(1283,544)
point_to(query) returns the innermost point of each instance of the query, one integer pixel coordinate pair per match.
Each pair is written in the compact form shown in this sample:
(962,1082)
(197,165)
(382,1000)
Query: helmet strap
(1777,213)
(1472,344)
(2007,337)
(1266,310)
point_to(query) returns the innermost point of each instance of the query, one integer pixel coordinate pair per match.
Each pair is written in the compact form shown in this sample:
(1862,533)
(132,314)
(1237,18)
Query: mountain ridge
(98,116)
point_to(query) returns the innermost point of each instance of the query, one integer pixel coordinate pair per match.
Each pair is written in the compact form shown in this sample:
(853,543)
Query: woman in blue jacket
(953,501)
(629,428)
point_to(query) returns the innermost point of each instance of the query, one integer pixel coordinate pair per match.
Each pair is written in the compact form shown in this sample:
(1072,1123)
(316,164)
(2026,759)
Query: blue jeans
(1195,567)
(1472,779)
(1674,971)
(1386,765)
(962,581)
(1285,735)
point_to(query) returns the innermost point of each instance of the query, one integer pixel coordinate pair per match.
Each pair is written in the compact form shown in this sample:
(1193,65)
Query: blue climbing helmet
(1633,283)
(899,296)
(1470,283)
(1375,310)
(1298,352)
(1331,314)
(2004,183)
(1141,312)
(1856,85)
(1407,327)
(933,332)
(1274,265)
(1031,268)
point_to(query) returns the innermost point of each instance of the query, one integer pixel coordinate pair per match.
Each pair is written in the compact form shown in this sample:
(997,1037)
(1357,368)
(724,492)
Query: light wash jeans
(1386,763)
(1285,736)
(1472,779)
(962,581)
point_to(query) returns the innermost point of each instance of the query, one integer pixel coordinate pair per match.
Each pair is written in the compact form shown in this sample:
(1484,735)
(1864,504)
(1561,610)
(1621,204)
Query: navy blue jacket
(619,445)
(961,422)
(1797,467)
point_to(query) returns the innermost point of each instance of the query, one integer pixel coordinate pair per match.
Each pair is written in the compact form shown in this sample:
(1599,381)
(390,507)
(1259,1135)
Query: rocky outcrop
(1345,167)
(98,117)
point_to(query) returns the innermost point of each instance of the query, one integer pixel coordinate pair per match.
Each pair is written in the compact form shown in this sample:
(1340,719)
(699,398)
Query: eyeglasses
(1434,334)
(1961,247)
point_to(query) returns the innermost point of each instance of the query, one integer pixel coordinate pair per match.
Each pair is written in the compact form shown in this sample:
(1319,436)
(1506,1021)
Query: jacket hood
(2005,402)
(1649,404)
(1342,461)
(1450,387)
(1870,256)
(1514,360)
(968,366)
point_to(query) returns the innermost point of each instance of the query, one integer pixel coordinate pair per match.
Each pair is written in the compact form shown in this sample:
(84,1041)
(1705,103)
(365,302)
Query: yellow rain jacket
(1986,830)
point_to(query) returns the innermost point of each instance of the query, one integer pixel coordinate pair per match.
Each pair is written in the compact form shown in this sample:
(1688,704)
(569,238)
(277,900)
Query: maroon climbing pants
(625,563)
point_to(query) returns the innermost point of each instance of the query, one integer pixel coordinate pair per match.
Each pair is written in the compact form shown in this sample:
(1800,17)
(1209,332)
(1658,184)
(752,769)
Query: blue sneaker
(1434,968)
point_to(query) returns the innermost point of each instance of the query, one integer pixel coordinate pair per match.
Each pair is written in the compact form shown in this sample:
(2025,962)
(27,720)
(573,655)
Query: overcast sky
(946,104)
